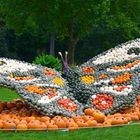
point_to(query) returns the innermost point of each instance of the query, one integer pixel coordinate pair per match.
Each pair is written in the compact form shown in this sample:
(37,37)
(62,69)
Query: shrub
(48,61)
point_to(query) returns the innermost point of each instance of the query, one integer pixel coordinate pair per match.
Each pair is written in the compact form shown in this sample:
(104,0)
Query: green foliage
(48,61)
(112,21)
(63,17)
(68,19)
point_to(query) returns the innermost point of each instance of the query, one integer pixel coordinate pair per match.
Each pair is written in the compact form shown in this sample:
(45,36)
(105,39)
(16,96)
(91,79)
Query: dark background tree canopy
(84,28)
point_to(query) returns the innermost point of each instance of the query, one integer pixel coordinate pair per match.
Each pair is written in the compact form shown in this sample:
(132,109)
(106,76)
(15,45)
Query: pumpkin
(134,117)
(72,126)
(22,126)
(138,114)
(23,121)
(87,70)
(16,120)
(9,124)
(78,117)
(42,126)
(52,126)
(1,109)
(10,105)
(87,79)
(91,123)
(128,117)
(28,119)
(99,116)
(87,117)
(119,120)
(89,111)
(117,115)
(44,118)
(56,118)
(58,81)
(107,123)
(1,124)
(60,123)
(68,121)
(99,125)
(3,104)
(103,76)
(81,123)
(122,78)
(34,124)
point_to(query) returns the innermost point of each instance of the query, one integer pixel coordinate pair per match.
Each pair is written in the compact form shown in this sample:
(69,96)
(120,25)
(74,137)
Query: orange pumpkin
(99,125)
(72,126)
(52,126)
(15,120)
(56,118)
(28,119)
(9,125)
(128,117)
(42,126)
(76,118)
(119,120)
(87,118)
(65,119)
(99,116)
(22,126)
(117,115)
(107,123)
(23,121)
(89,111)
(103,76)
(91,123)
(44,118)
(138,114)
(34,124)
(60,123)
(134,117)
(1,124)
(81,123)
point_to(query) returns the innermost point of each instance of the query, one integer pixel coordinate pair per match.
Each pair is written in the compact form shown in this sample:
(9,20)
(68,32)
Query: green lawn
(7,94)
(115,133)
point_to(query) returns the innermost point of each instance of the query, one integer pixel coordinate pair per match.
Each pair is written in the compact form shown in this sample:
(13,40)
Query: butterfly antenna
(66,57)
(64,61)
(61,56)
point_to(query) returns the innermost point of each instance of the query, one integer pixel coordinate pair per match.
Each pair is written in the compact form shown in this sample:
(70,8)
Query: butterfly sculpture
(108,82)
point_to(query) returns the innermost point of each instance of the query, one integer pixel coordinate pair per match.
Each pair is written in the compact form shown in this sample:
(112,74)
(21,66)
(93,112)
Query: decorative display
(102,101)
(88,79)
(108,82)
(19,116)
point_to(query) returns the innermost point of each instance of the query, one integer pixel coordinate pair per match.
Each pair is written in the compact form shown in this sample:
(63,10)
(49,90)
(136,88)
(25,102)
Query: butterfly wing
(111,79)
(41,87)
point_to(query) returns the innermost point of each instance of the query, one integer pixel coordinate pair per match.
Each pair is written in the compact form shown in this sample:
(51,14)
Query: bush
(48,61)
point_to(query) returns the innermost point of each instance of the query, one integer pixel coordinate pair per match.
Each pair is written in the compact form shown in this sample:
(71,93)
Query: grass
(7,94)
(130,132)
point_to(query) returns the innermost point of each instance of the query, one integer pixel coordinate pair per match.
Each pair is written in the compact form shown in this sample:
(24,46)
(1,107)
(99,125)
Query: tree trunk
(52,44)
(71,49)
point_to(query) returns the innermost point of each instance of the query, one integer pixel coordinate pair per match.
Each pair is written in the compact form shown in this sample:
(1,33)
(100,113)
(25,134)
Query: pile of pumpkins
(17,115)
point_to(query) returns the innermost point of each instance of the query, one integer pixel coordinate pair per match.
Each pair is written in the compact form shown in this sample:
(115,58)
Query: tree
(70,20)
